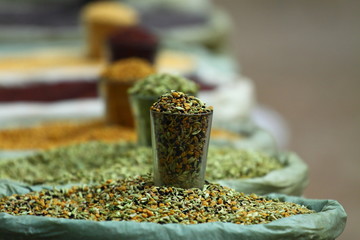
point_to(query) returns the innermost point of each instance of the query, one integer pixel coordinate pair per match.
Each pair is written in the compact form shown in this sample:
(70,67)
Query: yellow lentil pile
(109,12)
(47,59)
(62,133)
(128,70)
(57,134)
(224,134)
(100,19)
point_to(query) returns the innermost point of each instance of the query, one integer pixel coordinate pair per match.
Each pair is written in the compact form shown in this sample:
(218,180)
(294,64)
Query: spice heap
(181,127)
(62,133)
(38,62)
(137,199)
(57,134)
(96,162)
(85,163)
(226,135)
(127,70)
(228,163)
(176,62)
(158,84)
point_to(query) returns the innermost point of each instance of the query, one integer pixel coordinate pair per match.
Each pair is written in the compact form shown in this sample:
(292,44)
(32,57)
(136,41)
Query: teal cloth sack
(327,224)
(6,154)
(9,187)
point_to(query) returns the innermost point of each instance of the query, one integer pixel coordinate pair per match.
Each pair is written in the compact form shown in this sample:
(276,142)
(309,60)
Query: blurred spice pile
(50,135)
(94,162)
(128,70)
(62,133)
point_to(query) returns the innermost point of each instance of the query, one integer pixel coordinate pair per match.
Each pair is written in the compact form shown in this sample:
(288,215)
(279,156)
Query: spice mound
(62,133)
(128,70)
(180,103)
(158,84)
(55,134)
(94,162)
(137,199)
(84,163)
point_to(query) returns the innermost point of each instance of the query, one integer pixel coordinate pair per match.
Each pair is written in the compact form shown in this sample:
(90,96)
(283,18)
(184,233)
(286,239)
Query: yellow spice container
(117,78)
(100,19)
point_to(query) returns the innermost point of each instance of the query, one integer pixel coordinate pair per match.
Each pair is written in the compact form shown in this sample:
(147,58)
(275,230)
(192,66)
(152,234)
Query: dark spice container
(133,41)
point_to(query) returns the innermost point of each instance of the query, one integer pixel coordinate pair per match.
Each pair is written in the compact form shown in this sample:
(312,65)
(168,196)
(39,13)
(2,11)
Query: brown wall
(304,57)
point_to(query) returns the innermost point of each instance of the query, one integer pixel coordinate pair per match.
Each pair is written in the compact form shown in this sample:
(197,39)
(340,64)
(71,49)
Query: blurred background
(303,57)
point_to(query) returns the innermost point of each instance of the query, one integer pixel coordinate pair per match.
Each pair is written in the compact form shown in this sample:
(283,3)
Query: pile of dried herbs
(137,199)
(96,162)
(127,70)
(158,84)
(62,133)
